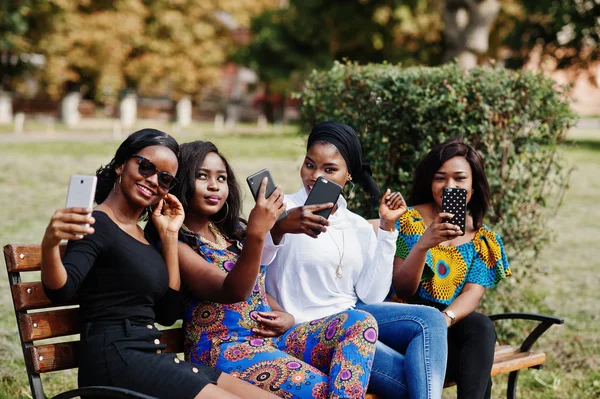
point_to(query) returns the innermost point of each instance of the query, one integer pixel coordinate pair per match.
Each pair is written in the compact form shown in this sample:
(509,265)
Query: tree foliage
(150,46)
(14,24)
(565,31)
(311,34)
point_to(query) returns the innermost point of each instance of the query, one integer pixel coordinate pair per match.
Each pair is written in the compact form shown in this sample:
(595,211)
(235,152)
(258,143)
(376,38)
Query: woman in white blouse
(348,266)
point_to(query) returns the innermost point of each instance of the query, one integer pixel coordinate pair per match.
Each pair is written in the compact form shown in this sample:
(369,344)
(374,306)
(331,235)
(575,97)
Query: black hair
(345,139)
(433,161)
(228,219)
(137,141)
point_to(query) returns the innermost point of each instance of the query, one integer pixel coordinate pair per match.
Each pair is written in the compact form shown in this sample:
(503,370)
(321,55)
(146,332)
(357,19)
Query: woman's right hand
(302,220)
(439,231)
(266,211)
(68,224)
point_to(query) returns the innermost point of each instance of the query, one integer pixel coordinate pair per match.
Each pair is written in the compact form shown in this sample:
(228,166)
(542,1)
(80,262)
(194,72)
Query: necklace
(220,241)
(339,271)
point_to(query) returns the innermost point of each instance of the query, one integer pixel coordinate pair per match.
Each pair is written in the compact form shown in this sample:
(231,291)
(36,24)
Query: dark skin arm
(301,220)
(208,282)
(65,224)
(407,272)
(168,217)
(466,302)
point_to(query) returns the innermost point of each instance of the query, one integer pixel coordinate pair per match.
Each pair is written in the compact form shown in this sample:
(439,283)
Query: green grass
(35,175)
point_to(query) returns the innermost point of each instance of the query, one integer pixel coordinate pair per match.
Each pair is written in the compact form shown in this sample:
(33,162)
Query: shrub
(516,120)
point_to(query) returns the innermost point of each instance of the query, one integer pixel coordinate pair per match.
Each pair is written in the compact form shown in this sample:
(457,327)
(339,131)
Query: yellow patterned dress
(481,261)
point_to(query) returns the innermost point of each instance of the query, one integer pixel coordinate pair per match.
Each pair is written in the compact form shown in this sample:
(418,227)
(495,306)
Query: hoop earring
(226,212)
(117,182)
(352,185)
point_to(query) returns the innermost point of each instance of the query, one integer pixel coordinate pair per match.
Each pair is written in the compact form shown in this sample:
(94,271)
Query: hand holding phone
(323,191)
(254,181)
(266,212)
(454,201)
(73,222)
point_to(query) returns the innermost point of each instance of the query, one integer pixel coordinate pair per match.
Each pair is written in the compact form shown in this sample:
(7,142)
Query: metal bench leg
(511,389)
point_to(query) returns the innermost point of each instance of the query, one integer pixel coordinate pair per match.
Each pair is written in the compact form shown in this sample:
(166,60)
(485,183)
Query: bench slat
(53,357)
(28,296)
(518,361)
(63,355)
(505,352)
(54,323)
(25,257)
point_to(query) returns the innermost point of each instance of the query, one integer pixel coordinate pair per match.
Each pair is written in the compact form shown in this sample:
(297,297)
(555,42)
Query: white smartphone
(82,190)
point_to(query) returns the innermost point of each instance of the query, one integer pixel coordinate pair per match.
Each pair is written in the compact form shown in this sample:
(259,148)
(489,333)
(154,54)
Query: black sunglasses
(146,168)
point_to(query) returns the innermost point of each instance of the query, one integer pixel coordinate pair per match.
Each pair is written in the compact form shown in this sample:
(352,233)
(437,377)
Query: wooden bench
(38,319)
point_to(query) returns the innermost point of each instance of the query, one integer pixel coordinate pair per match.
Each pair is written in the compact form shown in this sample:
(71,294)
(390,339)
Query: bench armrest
(104,392)
(545,323)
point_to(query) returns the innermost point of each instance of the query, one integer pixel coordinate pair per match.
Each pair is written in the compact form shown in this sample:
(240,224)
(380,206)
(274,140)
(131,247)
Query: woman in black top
(123,283)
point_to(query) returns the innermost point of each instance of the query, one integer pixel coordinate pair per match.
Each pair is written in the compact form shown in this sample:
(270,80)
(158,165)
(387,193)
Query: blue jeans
(410,357)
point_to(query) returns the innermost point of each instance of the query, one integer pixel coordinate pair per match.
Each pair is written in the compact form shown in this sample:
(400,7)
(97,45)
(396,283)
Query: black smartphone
(322,192)
(454,201)
(254,181)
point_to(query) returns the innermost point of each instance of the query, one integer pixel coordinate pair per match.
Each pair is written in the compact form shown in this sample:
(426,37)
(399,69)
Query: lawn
(35,175)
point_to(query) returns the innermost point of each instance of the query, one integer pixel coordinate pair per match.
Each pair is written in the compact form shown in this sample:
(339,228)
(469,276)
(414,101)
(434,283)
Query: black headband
(345,139)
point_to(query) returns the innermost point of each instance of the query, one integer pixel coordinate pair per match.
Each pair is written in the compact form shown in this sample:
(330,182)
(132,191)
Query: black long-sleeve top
(115,277)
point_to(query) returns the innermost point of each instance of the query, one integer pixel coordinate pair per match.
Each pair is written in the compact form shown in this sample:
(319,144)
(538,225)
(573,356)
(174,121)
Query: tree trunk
(468,24)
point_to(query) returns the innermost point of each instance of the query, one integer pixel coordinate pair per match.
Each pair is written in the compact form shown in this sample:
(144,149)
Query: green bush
(516,120)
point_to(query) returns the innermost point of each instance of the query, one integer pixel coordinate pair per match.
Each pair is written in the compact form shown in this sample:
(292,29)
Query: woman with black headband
(348,266)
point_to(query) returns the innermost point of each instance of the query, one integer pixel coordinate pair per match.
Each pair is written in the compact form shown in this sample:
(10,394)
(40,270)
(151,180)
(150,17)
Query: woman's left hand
(273,323)
(168,215)
(391,207)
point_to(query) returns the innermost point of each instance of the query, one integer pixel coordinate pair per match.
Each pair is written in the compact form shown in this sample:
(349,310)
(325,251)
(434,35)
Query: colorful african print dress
(326,358)
(481,261)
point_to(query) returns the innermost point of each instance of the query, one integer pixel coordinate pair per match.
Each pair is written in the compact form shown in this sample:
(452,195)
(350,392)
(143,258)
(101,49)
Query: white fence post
(69,109)
(6,110)
(183,111)
(128,111)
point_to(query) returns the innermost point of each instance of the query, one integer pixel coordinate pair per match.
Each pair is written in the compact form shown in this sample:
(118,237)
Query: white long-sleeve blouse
(303,274)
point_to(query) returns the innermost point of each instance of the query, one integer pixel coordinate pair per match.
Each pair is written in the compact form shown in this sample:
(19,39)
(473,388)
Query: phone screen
(454,201)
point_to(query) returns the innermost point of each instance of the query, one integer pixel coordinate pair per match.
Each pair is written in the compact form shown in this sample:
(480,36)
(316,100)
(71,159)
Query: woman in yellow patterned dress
(437,265)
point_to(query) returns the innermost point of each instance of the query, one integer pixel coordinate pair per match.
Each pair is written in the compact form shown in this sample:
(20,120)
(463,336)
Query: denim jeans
(410,357)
